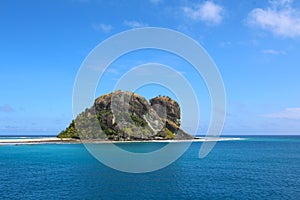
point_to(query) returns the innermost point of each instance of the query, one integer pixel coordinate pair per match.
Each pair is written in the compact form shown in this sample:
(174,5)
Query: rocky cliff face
(127,116)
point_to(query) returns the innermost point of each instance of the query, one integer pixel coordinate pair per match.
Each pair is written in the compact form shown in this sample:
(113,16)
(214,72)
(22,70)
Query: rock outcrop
(127,116)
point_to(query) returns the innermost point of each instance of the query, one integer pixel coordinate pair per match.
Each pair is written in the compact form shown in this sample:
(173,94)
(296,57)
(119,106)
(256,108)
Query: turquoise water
(256,168)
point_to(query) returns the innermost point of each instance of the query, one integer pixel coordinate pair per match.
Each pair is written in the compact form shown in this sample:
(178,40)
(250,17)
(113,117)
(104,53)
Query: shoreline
(40,140)
(55,140)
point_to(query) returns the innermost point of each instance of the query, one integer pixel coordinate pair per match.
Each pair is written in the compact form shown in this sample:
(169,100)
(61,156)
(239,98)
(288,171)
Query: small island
(126,116)
(123,116)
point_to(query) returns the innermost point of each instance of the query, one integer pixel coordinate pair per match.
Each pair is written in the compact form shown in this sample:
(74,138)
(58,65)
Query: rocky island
(126,116)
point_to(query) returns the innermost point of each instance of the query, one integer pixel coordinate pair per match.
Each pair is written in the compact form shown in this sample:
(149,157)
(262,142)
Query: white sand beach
(198,139)
(37,140)
(56,140)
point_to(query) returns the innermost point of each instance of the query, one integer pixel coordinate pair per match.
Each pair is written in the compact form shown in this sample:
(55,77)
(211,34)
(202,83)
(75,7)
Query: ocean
(264,167)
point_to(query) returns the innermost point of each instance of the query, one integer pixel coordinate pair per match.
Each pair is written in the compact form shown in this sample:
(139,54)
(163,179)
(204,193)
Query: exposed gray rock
(127,116)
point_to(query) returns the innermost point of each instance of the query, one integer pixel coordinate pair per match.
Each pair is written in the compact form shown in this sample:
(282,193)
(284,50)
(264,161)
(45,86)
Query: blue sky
(255,45)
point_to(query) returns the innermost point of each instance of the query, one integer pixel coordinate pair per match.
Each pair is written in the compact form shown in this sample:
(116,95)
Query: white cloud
(6,108)
(106,28)
(101,68)
(134,24)
(155,2)
(208,12)
(288,113)
(112,71)
(226,43)
(273,52)
(82,1)
(280,18)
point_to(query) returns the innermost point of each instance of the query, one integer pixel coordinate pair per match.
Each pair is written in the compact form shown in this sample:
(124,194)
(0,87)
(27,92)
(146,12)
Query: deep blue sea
(255,168)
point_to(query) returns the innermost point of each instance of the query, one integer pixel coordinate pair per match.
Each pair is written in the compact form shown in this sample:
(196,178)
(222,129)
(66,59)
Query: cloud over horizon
(273,52)
(288,113)
(6,108)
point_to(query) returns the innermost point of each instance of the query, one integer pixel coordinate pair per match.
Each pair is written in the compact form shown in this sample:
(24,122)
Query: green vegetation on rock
(132,118)
(169,135)
(69,132)
(138,121)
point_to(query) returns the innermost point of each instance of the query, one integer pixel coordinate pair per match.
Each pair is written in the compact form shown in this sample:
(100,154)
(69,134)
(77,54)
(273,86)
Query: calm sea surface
(256,168)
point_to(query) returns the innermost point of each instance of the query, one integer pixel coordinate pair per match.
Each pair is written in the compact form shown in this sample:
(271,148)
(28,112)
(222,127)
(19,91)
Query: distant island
(126,116)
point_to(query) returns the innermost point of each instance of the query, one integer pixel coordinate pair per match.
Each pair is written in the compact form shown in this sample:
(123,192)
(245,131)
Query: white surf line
(37,140)
(69,141)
